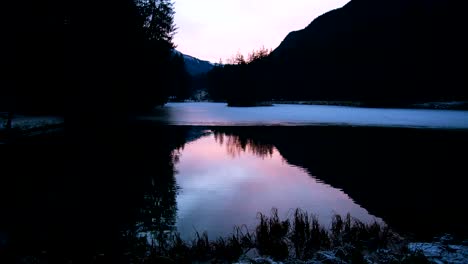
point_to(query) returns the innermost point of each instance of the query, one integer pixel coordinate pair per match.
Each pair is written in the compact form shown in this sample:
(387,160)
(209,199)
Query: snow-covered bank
(441,250)
(454,105)
(26,126)
(31,122)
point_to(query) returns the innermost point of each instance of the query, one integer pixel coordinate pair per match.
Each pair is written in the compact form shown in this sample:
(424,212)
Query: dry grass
(299,237)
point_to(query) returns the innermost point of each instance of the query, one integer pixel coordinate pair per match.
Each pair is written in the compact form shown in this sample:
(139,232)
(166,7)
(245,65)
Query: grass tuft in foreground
(299,237)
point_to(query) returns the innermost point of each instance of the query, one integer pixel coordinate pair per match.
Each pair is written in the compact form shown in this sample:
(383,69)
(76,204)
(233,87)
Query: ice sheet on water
(218,114)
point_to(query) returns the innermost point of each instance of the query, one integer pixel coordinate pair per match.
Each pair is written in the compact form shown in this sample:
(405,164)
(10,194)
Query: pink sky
(214,29)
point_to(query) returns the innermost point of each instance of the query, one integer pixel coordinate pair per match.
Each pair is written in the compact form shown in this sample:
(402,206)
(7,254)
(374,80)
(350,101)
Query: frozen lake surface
(218,114)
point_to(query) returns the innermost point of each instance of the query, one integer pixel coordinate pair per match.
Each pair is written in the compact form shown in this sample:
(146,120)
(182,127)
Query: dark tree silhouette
(180,81)
(101,57)
(240,81)
(96,63)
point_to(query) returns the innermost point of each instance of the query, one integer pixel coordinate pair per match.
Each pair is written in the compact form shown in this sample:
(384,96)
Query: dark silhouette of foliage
(382,53)
(96,64)
(257,55)
(157,20)
(156,72)
(181,80)
(239,81)
(85,59)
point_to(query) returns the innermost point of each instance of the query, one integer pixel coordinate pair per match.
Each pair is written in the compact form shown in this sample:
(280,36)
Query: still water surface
(224,183)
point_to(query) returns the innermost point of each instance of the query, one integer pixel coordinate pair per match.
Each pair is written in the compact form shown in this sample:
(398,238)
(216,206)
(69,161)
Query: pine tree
(156,27)
(158,20)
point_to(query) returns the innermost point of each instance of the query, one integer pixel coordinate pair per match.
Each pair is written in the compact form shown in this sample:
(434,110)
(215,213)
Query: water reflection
(226,179)
(236,145)
(157,216)
(393,173)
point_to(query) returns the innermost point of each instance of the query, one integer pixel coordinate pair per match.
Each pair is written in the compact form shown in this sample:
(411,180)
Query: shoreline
(432,105)
(441,105)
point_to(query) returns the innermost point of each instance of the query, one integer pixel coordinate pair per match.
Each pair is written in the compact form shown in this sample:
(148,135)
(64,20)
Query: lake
(207,167)
(387,165)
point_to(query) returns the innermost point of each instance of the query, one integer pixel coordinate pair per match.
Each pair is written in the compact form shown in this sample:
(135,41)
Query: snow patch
(438,252)
(25,122)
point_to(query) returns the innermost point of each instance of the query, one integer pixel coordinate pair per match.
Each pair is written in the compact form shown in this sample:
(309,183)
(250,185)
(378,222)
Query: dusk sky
(214,29)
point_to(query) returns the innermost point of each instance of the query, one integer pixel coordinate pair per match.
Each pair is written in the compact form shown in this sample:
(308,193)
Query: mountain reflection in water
(225,180)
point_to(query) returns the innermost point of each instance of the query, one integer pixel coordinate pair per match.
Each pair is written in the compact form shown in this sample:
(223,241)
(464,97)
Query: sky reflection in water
(225,182)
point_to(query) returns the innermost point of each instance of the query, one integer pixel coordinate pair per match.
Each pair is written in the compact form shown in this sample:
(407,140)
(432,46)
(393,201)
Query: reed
(299,237)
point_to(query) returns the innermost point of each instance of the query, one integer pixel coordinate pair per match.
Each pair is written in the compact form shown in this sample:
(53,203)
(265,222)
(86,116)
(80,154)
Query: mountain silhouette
(195,66)
(374,51)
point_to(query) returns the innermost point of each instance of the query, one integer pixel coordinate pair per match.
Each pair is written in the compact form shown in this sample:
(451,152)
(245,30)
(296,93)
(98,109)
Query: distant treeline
(376,52)
(240,81)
